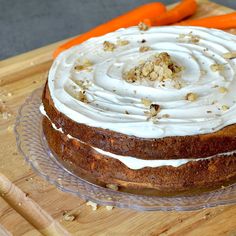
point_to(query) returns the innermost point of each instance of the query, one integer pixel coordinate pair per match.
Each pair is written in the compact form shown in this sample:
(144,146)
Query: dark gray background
(29,24)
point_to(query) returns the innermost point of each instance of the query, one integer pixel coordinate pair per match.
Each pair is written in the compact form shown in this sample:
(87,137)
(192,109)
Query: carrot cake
(146,108)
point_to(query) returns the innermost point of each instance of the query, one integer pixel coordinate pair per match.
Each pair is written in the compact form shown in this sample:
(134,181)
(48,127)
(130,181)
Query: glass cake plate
(32,145)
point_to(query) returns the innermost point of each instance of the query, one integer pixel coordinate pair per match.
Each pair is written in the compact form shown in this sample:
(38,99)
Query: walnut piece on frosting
(154,109)
(229,55)
(217,67)
(122,42)
(223,90)
(85,65)
(82,96)
(144,48)
(146,102)
(142,26)
(108,46)
(225,108)
(156,68)
(188,38)
(191,97)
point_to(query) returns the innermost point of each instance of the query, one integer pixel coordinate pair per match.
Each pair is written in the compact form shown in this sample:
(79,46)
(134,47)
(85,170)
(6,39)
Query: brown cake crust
(81,158)
(176,147)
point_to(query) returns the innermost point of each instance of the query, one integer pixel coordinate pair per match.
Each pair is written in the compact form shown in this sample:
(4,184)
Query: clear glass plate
(31,143)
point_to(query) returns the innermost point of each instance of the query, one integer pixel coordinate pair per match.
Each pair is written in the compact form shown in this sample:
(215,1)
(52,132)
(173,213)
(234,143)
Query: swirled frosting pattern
(117,105)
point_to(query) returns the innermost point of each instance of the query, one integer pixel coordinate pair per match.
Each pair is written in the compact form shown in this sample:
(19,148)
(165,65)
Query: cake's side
(178,147)
(83,160)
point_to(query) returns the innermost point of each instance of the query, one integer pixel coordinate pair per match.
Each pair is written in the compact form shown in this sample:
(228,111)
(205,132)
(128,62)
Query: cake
(146,110)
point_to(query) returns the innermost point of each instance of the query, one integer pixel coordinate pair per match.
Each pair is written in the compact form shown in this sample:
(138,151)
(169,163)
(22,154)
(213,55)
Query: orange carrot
(128,19)
(219,22)
(182,10)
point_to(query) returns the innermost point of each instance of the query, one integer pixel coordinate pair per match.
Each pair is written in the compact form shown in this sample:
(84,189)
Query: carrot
(184,9)
(128,19)
(219,22)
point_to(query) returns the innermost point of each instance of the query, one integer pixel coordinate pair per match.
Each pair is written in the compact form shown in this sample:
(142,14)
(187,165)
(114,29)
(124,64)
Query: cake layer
(81,158)
(176,147)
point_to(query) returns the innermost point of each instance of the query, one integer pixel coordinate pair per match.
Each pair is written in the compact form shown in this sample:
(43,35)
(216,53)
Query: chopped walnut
(188,38)
(165,116)
(191,97)
(217,67)
(5,115)
(223,90)
(154,109)
(229,55)
(112,186)
(84,84)
(146,102)
(144,48)
(93,205)
(82,96)
(122,42)
(85,65)
(157,68)
(10,128)
(68,217)
(108,46)
(225,108)
(177,85)
(142,26)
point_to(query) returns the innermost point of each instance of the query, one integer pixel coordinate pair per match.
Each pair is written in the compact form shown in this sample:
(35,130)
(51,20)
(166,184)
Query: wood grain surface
(19,76)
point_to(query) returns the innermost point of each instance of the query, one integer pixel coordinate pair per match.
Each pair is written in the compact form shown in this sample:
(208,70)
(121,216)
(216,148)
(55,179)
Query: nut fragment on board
(68,217)
(109,208)
(93,205)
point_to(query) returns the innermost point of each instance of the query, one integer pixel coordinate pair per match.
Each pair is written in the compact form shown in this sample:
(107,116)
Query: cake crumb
(144,48)
(93,205)
(225,108)
(229,55)
(108,46)
(122,42)
(112,186)
(223,90)
(217,67)
(109,208)
(191,97)
(142,26)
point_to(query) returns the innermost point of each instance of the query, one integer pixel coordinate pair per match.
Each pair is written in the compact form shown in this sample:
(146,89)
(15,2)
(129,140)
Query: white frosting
(133,162)
(110,97)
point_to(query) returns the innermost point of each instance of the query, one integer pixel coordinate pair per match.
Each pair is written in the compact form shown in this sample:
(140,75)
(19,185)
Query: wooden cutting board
(19,76)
